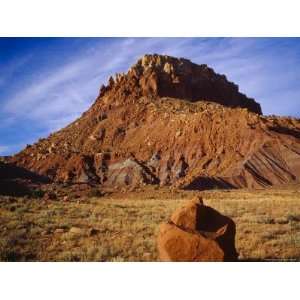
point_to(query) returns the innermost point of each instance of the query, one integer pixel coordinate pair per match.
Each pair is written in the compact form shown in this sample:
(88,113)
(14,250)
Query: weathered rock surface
(175,244)
(170,122)
(165,76)
(129,172)
(197,232)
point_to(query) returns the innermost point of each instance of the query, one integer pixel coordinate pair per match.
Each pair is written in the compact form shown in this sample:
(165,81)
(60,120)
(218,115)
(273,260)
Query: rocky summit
(169,121)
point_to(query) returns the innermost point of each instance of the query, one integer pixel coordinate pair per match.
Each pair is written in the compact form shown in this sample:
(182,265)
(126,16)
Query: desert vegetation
(122,226)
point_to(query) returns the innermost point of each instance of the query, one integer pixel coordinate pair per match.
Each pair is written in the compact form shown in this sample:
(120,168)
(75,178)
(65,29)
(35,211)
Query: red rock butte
(169,121)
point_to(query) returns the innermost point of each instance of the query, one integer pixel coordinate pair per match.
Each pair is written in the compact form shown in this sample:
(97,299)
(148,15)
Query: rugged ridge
(166,76)
(170,122)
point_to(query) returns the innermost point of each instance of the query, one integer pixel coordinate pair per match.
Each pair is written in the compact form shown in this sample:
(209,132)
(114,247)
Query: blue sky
(45,83)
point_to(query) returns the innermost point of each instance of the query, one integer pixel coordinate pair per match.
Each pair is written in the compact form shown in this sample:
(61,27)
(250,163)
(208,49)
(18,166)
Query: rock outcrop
(168,121)
(165,76)
(197,232)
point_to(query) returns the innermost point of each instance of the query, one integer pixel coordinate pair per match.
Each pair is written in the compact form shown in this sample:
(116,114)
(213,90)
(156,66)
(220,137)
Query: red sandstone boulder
(197,232)
(175,244)
(186,217)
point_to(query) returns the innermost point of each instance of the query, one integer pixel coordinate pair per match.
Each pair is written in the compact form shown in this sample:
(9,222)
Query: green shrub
(37,194)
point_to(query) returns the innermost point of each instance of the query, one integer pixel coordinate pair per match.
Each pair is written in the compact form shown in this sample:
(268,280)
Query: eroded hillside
(170,122)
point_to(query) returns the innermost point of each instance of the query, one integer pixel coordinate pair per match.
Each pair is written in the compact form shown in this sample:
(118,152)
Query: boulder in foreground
(197,232)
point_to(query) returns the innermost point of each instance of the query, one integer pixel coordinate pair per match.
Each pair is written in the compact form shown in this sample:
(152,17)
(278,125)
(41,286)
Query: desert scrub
(37,194)
(293,218)
(125,226)
(6,250)
(95,192)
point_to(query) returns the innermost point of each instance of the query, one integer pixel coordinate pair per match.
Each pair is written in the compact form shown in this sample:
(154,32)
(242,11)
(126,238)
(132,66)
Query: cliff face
(170,122)
(165,76)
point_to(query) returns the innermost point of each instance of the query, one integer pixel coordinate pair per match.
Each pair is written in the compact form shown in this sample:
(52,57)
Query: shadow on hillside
(208,183)
(16,181)
(285,130)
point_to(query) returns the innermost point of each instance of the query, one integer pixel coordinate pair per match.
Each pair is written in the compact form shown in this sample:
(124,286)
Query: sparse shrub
(281,221)
(296,226)
(20,210)
(37,194)
(35,230)
(6,251)
(293,218)
(95,193)
(69,256)
(117,259)
(12,208)
(265,220)
(271,235)
(253,219)
(8,255)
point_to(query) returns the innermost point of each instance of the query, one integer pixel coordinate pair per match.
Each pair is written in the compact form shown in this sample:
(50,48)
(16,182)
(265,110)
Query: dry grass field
(123,226)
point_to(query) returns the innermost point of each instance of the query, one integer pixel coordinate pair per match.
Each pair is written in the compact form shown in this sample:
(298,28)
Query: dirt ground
(123,226)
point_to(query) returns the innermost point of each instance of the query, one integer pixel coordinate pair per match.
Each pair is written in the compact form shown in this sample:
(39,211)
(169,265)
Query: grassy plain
(123,226)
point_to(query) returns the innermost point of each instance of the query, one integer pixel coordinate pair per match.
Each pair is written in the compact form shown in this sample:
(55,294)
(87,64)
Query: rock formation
(169,121)
(197,232)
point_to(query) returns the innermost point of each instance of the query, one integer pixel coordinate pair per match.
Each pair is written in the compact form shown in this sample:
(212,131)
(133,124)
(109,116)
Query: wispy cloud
(64,92)
(10,69)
